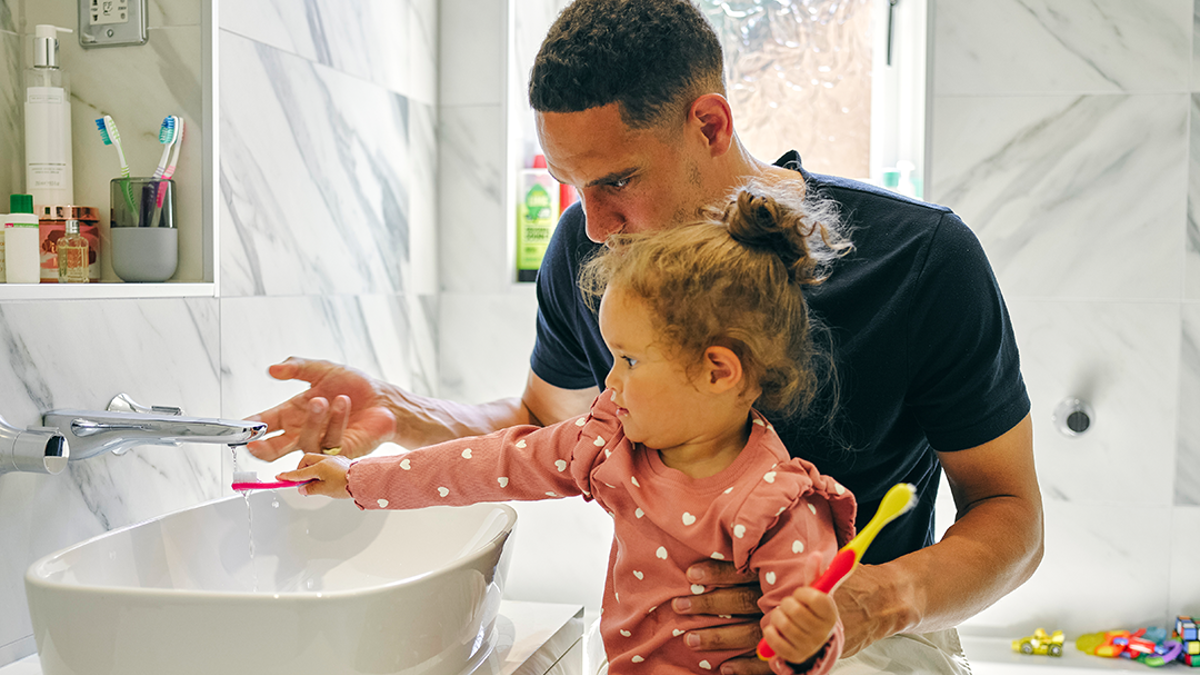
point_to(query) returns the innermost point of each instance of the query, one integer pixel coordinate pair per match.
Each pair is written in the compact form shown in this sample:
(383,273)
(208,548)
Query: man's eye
(619,183)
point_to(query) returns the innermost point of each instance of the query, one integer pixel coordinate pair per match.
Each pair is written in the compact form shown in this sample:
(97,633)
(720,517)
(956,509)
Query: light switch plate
(112,23)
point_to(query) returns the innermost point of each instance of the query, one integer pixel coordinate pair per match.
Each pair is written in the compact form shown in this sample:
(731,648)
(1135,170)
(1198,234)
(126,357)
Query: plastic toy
(1149,646)
(1040,643)
(1188,637)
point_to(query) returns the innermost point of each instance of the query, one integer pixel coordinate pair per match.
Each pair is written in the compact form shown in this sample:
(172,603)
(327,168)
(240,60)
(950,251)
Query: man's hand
(343,408)
(858,602)
(736,594)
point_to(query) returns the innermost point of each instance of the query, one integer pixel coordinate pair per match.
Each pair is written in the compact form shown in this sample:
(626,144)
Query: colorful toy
(1149,646)
(1040,644)
(1189,640)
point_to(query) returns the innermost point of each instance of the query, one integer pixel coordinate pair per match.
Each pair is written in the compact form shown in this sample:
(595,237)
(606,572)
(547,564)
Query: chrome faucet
(35,449)
(127,424)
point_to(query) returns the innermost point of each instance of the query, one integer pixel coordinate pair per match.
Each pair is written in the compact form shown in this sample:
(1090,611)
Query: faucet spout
(38,450)
(92,432)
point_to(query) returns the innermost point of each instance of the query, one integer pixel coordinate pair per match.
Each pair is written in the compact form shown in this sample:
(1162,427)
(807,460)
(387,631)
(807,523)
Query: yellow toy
(1040,643)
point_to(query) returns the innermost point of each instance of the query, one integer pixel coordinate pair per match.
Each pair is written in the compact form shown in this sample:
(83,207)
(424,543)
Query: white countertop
(531,639)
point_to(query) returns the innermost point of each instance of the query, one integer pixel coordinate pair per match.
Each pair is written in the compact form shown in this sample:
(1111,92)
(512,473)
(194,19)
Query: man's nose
(600,221)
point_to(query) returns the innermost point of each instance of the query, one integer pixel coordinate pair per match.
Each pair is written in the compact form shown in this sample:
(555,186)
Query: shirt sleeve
(964,366)
(558,356)
(519,463)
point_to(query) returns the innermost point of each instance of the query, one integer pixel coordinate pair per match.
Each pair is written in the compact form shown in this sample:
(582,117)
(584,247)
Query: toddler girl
(703,321)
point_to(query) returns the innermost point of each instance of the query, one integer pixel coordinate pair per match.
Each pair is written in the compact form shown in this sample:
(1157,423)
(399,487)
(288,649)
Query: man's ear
(713,117)
(722,370)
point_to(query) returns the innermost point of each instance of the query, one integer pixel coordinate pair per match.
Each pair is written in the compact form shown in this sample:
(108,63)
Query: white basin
(329,590)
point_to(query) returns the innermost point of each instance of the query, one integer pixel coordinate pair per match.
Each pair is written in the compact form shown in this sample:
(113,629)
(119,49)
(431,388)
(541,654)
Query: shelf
(105,291)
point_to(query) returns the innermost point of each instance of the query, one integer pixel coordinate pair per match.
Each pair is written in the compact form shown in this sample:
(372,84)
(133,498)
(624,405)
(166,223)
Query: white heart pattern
(503,481)
(383,503)
(581,421)
(771,578)
(688,518)
(638,574)
(728,490)
(812,508)
(626,633)
(599,442)
(467,453)
(405,464)
(697,589)
(607,453)
(759,422)
(551,494)
(769,477)
(560,464)
(521,443)
(633,479)
(443,491)
(717,556)
(637,659)
(677,632)
(837,487)
(739,531)
(661,552)
(797,546)
(639,513)
(706,665)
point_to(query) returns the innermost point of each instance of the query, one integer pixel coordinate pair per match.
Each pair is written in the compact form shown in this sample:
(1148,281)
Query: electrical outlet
(111,23)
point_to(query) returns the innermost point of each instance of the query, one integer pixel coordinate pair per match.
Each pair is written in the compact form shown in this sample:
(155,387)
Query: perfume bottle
(72,256)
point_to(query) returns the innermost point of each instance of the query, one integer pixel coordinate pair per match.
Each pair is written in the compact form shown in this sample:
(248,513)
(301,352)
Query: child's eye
(630,361)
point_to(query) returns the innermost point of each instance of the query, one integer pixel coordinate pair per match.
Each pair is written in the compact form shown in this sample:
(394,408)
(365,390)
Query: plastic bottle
(537,214)
(49,175)
(21,256)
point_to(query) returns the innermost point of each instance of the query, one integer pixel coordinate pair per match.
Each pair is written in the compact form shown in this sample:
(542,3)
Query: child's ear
(722,369)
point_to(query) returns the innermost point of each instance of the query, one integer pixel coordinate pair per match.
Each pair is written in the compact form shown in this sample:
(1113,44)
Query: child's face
(659,404)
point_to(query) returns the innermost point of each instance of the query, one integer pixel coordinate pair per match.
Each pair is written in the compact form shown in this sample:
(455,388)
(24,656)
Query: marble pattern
(1057,46)
(12,97)
(476,252)
(1185,551)
(1067,351)
(1191,288)
(79,355)
(1187,451)
(314,174)
(485,343)
(472,52)
(1071,196)
(358,39)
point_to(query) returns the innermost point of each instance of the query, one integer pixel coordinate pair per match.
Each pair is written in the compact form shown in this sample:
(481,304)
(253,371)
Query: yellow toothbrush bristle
(900,498)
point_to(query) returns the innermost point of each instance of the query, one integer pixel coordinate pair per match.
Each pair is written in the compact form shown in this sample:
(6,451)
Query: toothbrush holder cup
(145,240)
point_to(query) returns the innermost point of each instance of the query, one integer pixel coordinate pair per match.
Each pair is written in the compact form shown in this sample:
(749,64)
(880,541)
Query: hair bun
(758,221)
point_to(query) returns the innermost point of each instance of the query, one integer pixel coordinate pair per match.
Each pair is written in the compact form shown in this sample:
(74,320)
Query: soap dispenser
(49,176)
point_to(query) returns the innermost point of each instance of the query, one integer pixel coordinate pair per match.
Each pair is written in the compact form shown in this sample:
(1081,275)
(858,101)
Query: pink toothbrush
(248,480)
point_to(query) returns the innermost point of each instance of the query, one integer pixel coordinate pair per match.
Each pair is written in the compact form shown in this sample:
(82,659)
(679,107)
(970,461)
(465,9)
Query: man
(629,103)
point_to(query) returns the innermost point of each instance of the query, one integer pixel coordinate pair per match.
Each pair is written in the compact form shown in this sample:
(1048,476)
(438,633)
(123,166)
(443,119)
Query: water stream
(249,521)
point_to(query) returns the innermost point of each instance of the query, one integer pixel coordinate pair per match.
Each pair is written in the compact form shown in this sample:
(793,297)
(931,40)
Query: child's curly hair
(734,279)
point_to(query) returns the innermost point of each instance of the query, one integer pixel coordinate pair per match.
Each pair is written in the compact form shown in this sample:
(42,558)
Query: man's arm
(993,547)
(347,409)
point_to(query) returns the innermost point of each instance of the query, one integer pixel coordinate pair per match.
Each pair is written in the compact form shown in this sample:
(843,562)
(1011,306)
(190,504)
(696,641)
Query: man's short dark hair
(654,57)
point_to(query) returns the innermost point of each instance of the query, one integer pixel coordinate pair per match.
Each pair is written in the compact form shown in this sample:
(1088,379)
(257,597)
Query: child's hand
(329,474)
(801,624)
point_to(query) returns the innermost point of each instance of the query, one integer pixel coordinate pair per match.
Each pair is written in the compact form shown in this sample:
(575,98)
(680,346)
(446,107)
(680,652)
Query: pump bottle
(49,175)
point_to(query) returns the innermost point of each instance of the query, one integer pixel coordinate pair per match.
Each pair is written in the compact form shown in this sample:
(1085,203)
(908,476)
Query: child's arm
(519,463)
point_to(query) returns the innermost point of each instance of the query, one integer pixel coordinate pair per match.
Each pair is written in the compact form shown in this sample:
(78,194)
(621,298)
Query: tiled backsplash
(327,223)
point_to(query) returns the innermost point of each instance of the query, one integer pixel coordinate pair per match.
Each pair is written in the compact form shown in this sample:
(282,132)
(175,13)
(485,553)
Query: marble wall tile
(315,168)
(1123,358)
(1185,551)
(485,343)
(1196,47)
(159,14)
(561,552)
(472,52)
(1091,577)
(358,38)
(1059,46)
(1187,457)
(475,231)
(1191,286)
(423,198)
(423,51)
(79,355)
(1071,196)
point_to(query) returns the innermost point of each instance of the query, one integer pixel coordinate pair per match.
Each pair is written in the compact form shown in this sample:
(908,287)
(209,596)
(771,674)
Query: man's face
(629,180)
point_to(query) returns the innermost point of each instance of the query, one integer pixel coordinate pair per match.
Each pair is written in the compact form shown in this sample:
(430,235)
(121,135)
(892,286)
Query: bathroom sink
(326,589)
